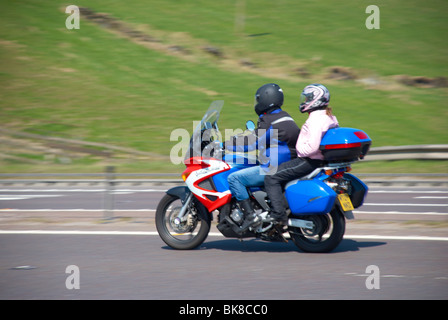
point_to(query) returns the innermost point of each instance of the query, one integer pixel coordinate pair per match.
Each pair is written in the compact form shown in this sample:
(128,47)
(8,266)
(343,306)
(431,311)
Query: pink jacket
(311,134)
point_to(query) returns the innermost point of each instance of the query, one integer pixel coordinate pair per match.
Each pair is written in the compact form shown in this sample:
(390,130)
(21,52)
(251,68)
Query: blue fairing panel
(237,162)
(310,197)
(220,180)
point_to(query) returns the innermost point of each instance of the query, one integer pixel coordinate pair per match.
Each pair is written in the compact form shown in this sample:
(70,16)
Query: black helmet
(267,97)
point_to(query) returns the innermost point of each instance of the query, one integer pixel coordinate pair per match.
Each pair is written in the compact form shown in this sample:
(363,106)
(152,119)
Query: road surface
(396,249)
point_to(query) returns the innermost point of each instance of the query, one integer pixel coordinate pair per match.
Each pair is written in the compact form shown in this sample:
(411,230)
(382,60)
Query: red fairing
(198,177)
(213,205)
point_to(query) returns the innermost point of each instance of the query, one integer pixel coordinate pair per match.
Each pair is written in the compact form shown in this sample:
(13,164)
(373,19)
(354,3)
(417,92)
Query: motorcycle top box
(345,144)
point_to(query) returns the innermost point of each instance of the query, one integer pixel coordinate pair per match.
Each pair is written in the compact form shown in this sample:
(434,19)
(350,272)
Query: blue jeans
(240,180)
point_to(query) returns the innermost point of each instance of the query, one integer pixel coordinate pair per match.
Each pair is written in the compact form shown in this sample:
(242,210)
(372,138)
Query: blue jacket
(274,138)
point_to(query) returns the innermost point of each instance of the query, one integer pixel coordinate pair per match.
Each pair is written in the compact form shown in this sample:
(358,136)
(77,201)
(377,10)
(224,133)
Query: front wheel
(326,235)
(190,232)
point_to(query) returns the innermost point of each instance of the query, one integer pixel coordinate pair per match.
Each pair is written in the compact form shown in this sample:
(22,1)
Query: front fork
(182,216)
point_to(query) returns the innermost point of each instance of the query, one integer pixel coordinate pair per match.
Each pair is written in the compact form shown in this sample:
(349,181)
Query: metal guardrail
(414,152)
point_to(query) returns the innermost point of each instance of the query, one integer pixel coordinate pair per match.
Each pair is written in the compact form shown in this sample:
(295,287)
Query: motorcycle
(318,204)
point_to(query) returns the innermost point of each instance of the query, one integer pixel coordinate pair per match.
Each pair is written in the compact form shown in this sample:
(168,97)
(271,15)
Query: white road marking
(79,232)
(28,196)
(430,197)
(402,213)
(408,204)
(386,237)
(164,190)
(153,210)
(72,210)
(355,274)
(213,234)
(408,191)
(81,190)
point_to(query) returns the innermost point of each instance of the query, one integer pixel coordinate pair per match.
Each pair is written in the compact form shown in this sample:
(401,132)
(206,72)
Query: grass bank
(105,85)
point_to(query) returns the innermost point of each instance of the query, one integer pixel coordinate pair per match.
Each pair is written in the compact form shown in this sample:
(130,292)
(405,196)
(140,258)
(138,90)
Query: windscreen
(209,121)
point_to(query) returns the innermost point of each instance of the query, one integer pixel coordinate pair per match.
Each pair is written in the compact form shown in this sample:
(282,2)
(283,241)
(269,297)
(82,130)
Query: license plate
(345,202)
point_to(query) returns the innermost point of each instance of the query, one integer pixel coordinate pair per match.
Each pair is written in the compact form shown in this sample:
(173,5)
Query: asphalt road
(142,267)
(409,261)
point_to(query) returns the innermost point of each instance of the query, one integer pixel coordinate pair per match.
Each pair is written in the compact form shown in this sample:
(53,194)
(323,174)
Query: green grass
(92,84)
(409,41)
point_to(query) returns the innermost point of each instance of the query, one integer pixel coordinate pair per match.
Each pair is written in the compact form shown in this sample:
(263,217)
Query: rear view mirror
(250,125)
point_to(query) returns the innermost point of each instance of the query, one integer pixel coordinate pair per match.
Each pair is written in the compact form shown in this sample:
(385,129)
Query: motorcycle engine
(237,216)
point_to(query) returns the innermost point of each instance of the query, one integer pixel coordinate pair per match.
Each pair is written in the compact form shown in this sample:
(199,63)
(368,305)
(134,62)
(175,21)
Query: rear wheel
(186,234)
(326,235)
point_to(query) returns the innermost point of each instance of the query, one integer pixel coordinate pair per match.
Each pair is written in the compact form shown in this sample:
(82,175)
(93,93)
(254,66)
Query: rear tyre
(189,233)
(326,235)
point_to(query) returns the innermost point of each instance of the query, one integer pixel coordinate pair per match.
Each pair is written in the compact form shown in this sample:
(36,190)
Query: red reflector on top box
(345,144)
(361,135)
(342,146)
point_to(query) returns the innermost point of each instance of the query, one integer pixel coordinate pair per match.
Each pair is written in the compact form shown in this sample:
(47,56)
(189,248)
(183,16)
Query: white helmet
(315,96)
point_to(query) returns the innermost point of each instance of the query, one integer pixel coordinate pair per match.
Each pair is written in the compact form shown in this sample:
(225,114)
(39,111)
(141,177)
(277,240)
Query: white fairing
(215,166)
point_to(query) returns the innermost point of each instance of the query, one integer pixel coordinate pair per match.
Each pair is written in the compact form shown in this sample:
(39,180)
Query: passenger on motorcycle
(275,138)
(314,100)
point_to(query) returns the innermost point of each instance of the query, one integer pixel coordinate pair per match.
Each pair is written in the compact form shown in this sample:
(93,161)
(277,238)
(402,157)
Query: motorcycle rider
(274,138)
(315,100)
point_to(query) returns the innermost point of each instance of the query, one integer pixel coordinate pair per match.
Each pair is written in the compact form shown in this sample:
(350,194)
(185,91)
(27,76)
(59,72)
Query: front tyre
(326,235)
(190,232)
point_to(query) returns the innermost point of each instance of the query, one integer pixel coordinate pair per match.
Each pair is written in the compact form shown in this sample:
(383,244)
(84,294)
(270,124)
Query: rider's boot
(250,217)
(277,218)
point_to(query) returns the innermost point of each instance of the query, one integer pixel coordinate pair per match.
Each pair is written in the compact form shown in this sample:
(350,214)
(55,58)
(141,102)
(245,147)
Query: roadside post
(108,200)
